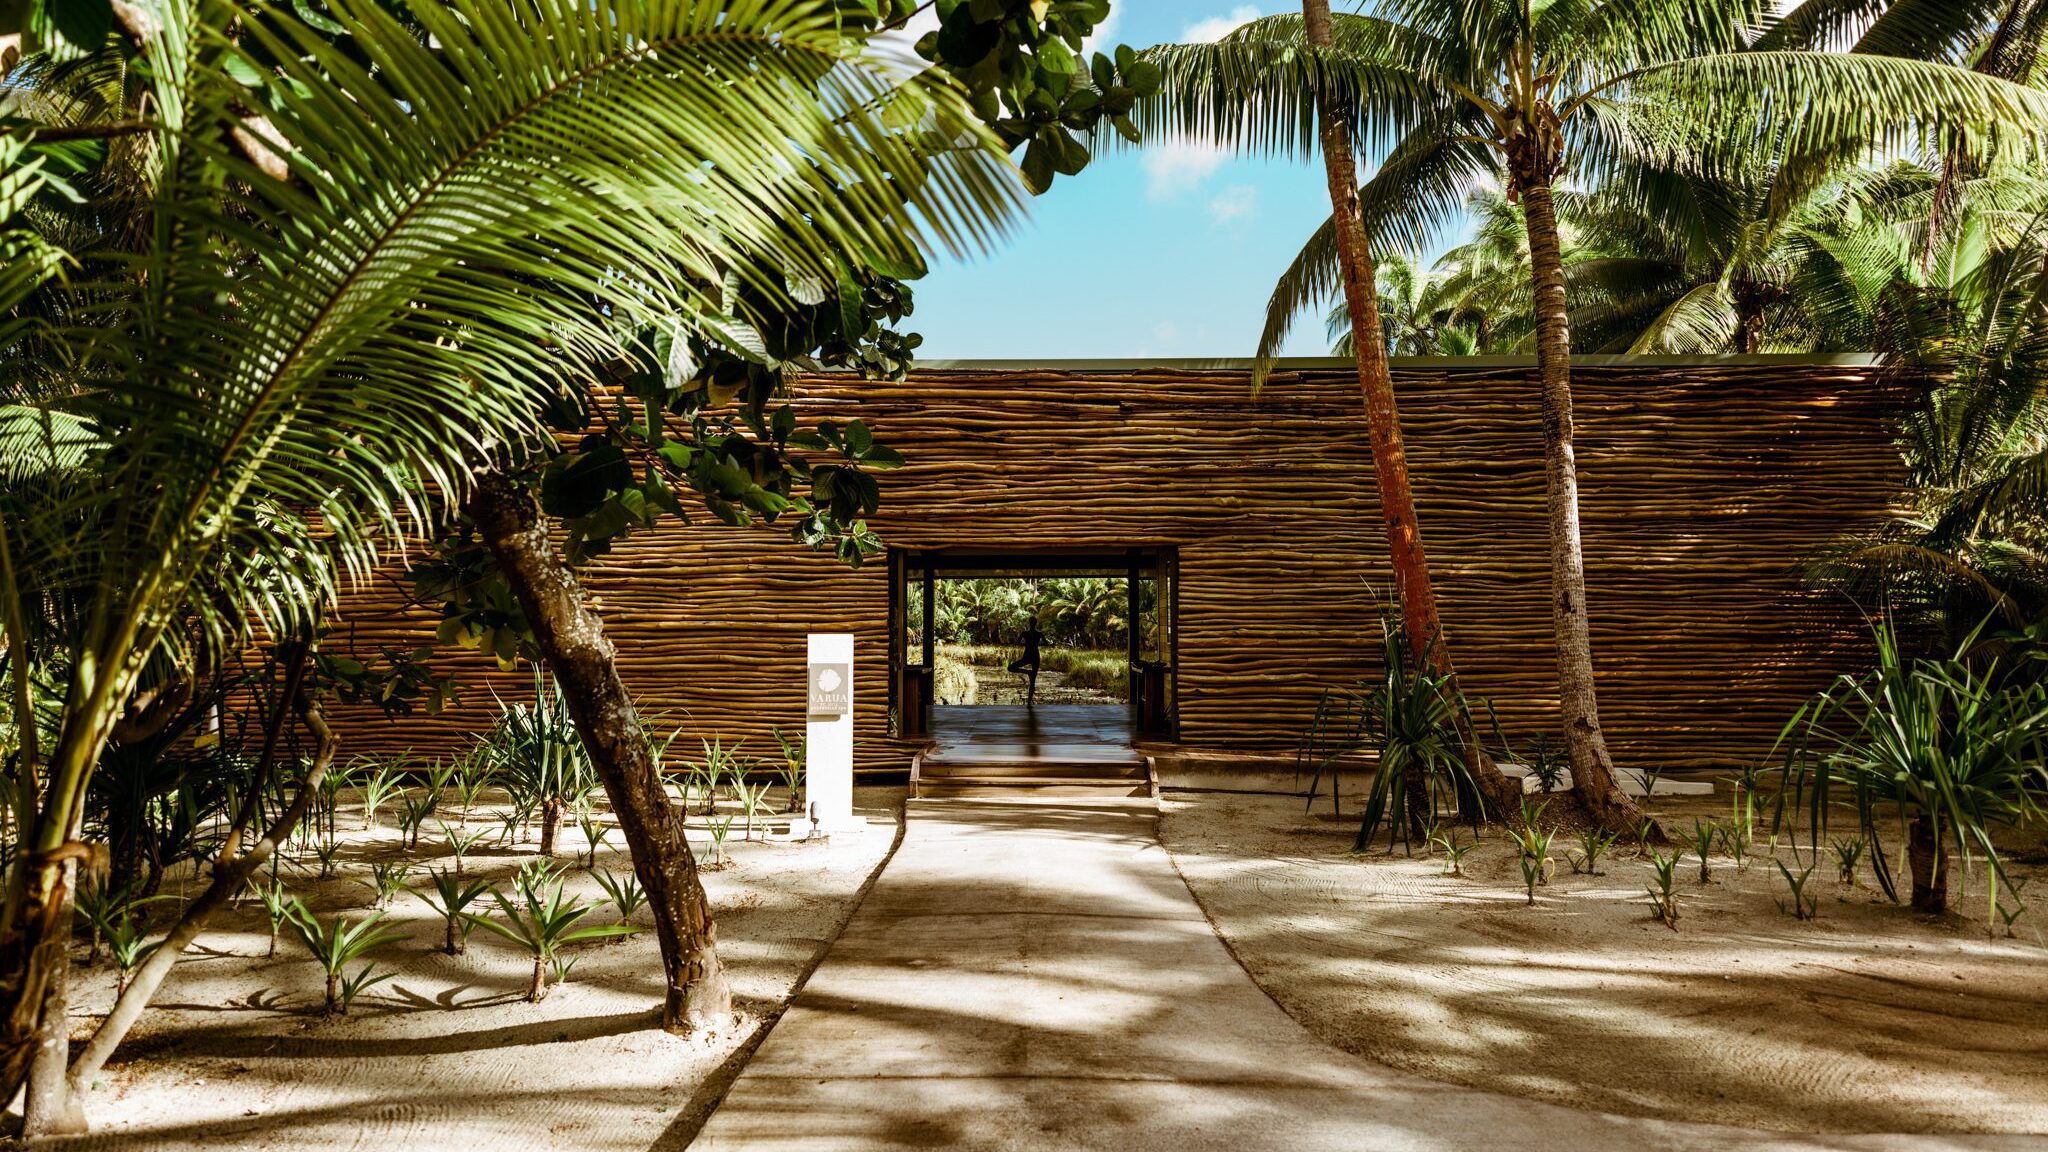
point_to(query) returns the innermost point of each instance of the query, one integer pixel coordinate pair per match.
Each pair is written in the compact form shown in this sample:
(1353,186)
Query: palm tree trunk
(572,640)
(550,820)
(1593,779)
(46,1109)
(1419,619)
(1927,856)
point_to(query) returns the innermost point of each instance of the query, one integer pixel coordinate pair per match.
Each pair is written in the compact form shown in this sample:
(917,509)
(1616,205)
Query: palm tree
(362,266)
(1357,277)
(1460,91)
(1406,293)
(1350,234)
(1970,541)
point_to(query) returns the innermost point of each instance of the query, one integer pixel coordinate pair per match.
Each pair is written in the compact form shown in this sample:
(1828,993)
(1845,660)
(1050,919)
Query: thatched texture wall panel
(1703,487)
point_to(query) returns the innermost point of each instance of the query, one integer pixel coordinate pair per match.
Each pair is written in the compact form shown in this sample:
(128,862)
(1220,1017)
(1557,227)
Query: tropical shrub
(1950,749)
(543,922)
(451,897)
(540,758)
(1412,719)
(339,943)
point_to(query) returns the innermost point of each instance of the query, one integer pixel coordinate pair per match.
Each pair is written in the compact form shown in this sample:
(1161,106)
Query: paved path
(1034,974)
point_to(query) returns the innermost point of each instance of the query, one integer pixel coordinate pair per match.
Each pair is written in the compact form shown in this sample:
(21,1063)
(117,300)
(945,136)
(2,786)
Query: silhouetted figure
(1028,663)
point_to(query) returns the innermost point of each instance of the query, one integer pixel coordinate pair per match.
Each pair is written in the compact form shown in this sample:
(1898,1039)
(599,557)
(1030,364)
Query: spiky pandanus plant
(540,757)
(1949,747)
(366,253)
(1525,95)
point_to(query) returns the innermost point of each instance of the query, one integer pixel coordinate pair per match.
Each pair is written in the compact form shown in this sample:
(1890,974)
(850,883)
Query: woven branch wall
(1702,489)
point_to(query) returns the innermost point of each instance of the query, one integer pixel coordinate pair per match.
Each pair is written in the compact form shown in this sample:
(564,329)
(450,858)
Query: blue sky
(1165,252)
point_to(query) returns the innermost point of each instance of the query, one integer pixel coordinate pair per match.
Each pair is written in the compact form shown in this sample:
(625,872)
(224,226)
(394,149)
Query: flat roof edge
(1305,363)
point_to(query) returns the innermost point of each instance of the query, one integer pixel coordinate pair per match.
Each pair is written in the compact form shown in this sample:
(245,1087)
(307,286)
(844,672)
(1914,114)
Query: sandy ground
(448,1055)
(1868,1019)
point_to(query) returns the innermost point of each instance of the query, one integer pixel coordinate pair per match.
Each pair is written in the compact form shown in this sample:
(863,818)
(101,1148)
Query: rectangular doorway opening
(991,643)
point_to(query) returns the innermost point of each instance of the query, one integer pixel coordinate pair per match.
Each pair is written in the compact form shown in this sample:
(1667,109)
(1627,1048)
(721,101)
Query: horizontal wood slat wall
(1702,488)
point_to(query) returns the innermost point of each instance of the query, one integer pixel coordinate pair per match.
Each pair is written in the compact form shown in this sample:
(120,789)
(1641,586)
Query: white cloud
(1163,340)
(1178,166)
(1237,202)
(1100,39)
(1217,27)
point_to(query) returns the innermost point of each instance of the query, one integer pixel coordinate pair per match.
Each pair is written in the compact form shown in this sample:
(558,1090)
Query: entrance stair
(1017,771)
(1017,752)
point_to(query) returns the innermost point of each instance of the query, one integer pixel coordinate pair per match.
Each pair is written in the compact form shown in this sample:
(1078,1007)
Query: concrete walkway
(1034,974)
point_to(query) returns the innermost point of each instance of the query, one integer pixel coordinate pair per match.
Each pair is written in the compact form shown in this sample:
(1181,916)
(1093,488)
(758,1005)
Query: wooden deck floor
(1017,734)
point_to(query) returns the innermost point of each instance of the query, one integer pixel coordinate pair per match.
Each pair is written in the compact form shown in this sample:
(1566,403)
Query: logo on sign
(829,690)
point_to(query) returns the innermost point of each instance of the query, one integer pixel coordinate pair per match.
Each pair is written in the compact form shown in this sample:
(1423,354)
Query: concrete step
(997,786)
(1092,769)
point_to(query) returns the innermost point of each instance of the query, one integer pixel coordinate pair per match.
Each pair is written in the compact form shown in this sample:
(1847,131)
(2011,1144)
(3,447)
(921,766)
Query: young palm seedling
(595,831)
(1453,849)
(460,842)
(1740,831)
(1432,834)
(128,943)
(387,879)
(413,810)
(544,924)
(2014,885)
(720,827)
(720,764)
(1664,887)
(1701,841)
(277,906)
(1848,854)
(753,802)
(1650,778)
(1546,765)
(472,776)
(452,898)
(1643,829)
(624,892)
(792,770)
(1735,841)
(706,780)
(327,850)
(1805,905)
(439,777)
(1593,844)
(100,906)
(1537,864)
(338,944)
(512,825)
(379,783)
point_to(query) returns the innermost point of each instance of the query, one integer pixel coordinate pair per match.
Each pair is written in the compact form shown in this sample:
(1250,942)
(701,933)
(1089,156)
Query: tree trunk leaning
(1419,619)
(231,872)
(1593,777)
(572,641)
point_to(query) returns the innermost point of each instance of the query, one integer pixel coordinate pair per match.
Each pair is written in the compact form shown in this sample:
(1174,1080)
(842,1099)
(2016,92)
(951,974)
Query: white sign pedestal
(828,740)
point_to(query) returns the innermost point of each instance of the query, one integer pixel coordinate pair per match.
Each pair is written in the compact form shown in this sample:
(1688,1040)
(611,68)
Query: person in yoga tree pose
(1028,663)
